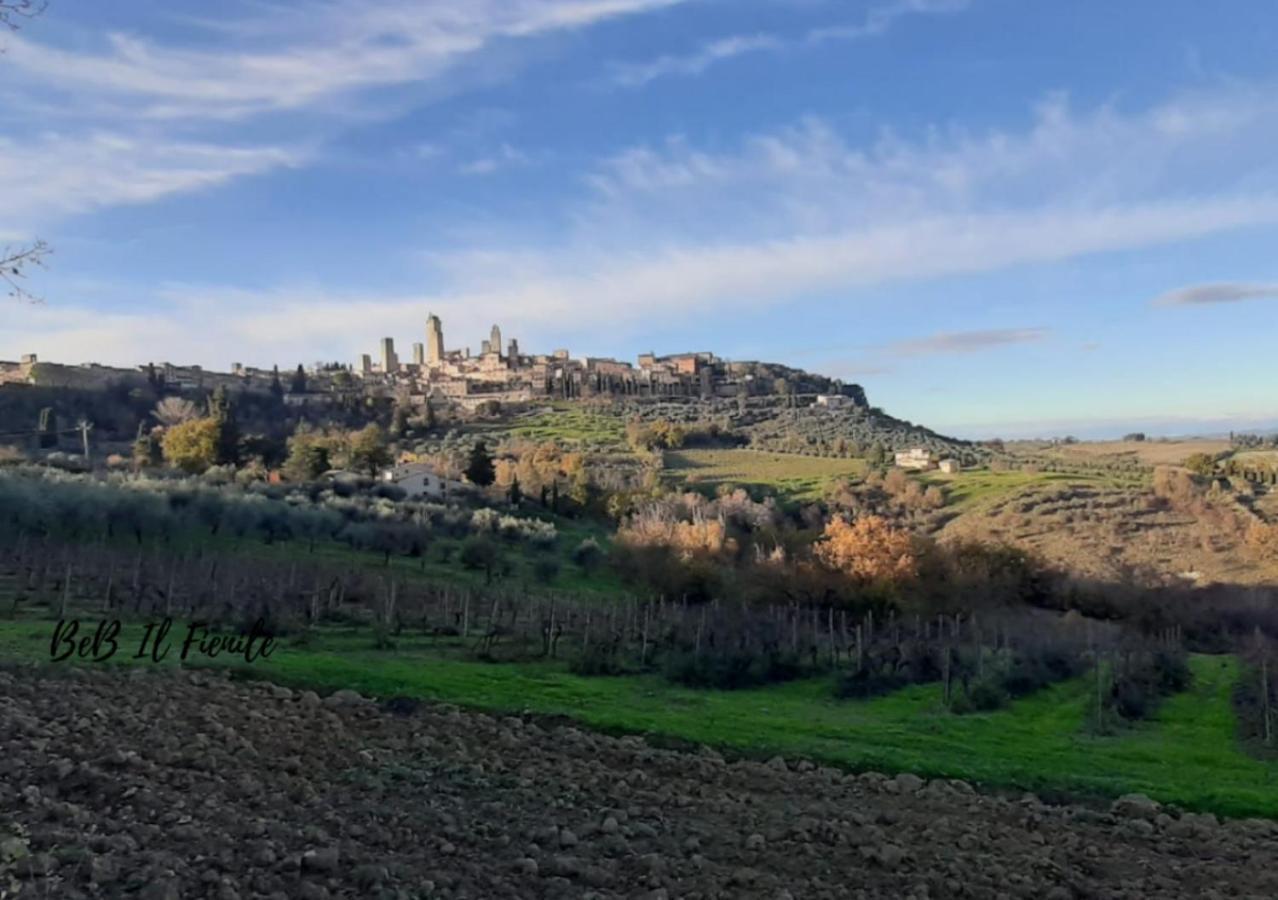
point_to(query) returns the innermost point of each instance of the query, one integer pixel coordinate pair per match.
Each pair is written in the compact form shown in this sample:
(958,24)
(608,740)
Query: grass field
(570,424)
(1150,453)
(798,476)
(970,489)
(1257,457)
(1188,755)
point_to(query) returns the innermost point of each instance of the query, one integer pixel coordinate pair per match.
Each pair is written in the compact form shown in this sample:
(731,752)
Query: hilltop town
(497,373)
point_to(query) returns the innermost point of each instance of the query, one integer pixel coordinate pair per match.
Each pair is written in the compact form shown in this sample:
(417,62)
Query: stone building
(472,380)
(390,362)
(434,340)
(421,481)
(914,458)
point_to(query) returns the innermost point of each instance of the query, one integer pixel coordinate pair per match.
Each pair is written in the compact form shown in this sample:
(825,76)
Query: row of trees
(193,442)
(36,500)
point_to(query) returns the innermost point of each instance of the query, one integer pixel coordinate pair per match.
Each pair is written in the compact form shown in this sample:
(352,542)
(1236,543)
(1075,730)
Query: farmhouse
(949,466)
(914,458)
(833,401)
(420,480)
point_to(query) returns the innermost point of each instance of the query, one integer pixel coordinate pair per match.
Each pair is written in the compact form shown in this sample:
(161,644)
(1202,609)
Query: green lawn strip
(1187,755)
(797,476)
(569,426)
(969,490)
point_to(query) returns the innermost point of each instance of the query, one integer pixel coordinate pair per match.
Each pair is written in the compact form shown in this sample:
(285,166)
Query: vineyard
(1023,697)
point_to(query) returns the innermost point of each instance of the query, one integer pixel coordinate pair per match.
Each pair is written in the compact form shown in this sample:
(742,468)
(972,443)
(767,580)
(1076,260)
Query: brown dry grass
(1110,531)
(1150,453)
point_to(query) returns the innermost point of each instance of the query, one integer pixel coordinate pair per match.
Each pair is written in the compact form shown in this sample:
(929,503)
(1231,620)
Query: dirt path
(189,785)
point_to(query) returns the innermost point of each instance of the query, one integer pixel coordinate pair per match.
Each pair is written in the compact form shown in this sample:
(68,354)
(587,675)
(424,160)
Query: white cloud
(505,157)
(675,232)
(583,293)
(135,115)
(880,19)
(876,22)
(639,74)
(55,175)
(297,55)
(1220,292)
(808,178)
(968,341)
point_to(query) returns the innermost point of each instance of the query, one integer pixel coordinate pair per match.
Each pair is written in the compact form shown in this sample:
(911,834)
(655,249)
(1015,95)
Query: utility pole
(84,428)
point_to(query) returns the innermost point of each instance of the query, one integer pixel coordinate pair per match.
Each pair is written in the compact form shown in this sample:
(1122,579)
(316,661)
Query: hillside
(799,425)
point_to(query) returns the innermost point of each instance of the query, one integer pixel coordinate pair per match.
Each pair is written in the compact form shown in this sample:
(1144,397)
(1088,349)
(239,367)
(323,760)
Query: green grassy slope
(1187,755)
(787,473)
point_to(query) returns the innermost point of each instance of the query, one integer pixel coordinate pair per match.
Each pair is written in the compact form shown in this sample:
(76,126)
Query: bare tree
(174,411)
(16,261)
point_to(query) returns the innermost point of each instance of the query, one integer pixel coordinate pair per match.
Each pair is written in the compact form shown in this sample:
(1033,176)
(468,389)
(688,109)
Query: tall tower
(494,340)
(419,354)
(434,340)
(390,363)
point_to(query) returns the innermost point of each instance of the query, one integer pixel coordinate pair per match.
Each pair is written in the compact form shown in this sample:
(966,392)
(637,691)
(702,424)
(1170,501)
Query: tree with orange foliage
(868,549)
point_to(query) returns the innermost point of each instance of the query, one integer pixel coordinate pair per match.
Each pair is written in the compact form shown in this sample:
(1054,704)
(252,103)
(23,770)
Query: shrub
(483,520)
(597,661)
(192,446)
(869,550)
(1142,680)
(731,671)
(479,553)
(546,569)
(587,554)
(863,684)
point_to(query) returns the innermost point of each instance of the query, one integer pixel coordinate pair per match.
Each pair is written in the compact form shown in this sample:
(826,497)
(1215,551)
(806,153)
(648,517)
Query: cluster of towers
(431,355)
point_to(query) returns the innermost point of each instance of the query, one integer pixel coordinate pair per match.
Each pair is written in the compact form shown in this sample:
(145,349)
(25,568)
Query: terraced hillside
(1107,530)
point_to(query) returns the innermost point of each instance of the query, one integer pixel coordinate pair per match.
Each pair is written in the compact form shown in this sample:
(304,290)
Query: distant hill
(796,424)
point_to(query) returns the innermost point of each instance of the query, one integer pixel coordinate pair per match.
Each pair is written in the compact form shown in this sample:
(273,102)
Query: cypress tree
(479,469)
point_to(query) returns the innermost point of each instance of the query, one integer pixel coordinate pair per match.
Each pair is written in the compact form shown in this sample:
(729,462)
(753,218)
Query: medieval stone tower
(434,340)
(494,340)
(390,362)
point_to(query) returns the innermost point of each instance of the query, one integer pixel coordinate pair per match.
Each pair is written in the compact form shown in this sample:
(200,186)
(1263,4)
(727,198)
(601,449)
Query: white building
(914,458)
(949,466)
(421,481)
(833,401)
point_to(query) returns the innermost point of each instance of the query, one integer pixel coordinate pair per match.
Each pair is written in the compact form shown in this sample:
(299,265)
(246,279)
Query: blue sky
(1010,217)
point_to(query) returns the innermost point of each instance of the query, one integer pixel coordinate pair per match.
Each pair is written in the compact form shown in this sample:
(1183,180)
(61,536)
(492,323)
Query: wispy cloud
(127,118)
(799,213)
(295,55)
(505,157)
(718,50)
(1220,292)
(540,296)
(880,19)
(63,174)
(876,22)
(968,341)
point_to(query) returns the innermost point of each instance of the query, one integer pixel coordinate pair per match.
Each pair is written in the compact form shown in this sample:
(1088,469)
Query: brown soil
(166,785)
